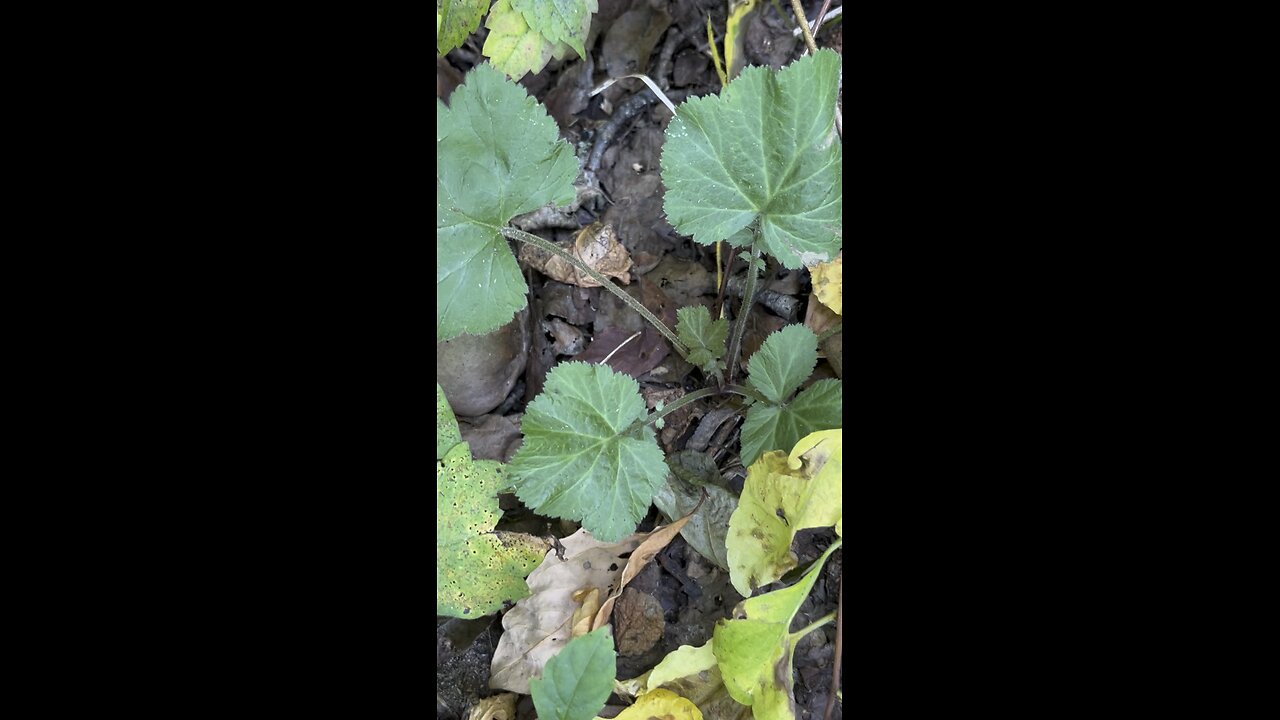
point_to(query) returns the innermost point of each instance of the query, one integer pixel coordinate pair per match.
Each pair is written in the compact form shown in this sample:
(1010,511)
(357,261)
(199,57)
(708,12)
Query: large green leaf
(773,427)
(577,681)
(455,20)
(559,21)
(754,650)
(703,336)
(763,151)
(498,155)
(581,458)
(477,569)
(784,494)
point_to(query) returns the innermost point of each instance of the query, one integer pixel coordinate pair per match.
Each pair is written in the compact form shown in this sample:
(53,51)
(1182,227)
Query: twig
(663,70)
(804,25)
(647,81)
(835,669)
(605,282)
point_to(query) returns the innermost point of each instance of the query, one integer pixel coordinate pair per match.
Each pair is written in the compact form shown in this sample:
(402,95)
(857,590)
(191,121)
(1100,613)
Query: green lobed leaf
(704,337)
(476,569)
(581,458)
(559,21)
(773,427)
(763,151)
(754,651)
(447,434)
(576,682)
(455,20)
(785,360)
(498,155)
(784,494)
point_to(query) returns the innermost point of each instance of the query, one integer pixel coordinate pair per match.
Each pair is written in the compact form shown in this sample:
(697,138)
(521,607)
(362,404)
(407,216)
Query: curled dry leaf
(540,625)
(653,543)
(596,245)
(497,707)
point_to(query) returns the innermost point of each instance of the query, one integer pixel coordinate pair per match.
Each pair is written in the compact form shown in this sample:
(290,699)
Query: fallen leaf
(828,283)
(496,707)
(542,623)
(692,673)
(661,704)
(596,246)
(653,543)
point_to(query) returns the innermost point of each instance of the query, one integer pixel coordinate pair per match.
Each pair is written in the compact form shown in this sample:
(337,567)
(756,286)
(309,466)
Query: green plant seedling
(776,370)
(576,682)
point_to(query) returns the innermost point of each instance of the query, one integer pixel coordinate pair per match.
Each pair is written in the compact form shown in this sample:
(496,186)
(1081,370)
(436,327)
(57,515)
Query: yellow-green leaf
(754,650)
(692,673)
(828,283)
(559,21)
(661,704)
(782,495)
(455,20)
(512,46)
(477,569)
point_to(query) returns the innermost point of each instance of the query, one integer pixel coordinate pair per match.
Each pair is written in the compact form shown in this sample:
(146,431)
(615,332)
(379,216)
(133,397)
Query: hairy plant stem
(684,400)
(804,26)
(745,391)
(814,625)
(605,282)
(748,296)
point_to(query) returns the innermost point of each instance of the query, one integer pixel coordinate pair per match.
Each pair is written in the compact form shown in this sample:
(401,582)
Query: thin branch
(605,282)
(835,670)
(804,26)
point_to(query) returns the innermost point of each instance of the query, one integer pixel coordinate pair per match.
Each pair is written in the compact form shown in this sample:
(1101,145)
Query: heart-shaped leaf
(763,151)
(498,155)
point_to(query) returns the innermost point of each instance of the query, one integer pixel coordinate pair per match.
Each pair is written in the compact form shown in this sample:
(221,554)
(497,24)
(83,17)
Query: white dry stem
(615,350)
(652,86)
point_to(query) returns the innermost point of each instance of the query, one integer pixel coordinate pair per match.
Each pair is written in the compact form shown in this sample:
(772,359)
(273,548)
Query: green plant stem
(748,296)
(685,400)
(605,282)
(814,625)
(804,26)
(745,392)
(838,327)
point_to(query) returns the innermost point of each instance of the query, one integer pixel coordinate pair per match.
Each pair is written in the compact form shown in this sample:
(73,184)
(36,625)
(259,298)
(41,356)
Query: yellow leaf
(827,283)
(661,704)
(734,59)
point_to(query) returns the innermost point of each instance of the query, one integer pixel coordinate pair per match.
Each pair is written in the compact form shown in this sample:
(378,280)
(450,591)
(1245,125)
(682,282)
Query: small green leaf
(703,336)
(447,434)
(582,458)
(455,20)
(764,149)
(785,359)
(476,569)
(755,654)
(576,682)
(771,427)
(512,46)
(498,155)
(784,494)
(559,21)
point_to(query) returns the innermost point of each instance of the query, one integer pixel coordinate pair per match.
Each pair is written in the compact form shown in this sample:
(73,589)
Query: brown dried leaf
(596,245)
(540,625)
(653,544)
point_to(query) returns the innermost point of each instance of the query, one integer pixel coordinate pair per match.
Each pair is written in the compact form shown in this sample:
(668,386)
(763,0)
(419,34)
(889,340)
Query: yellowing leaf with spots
(828,283)
(782,495)
(477,569)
